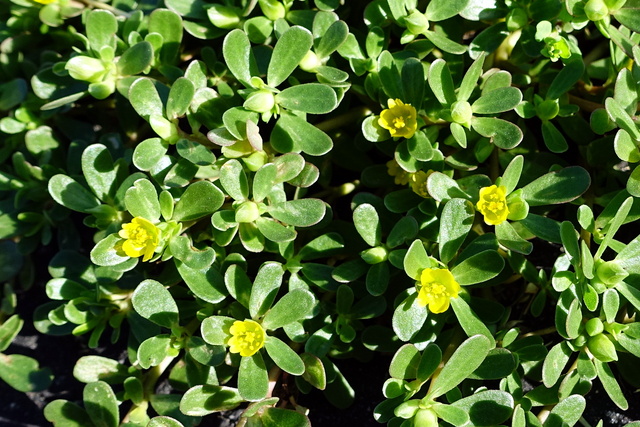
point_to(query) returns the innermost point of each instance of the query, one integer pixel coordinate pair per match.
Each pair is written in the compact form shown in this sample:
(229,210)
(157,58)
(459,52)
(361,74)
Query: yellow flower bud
(437,287)
(493,204)
(247,337)
(400,176)
(418,183)
(142,238)
(399,119)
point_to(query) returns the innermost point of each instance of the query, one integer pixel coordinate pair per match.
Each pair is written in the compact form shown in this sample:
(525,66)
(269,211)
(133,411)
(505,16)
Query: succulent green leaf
(102,175)
(408,318)
(497,101)
(610,384)
(452,414)
(183,250)
(510,239)
(234,180)
(367,223)
(292,133)
(627,15)
(235,120)
(203,400)
(9,330)
(469,321)
(566,78)
(502,133)
(145,99)
(200,199)
(439,10)
(553,138)
(441,82)
(299,213)
(154,302)
(470,80)
(135,59)
(180,96)
(289,50)
(512,173)
(416,260)
(142,200)
(442,188)
(499,363)
(478,268)
(405,362)
(238,284)
(446,44)
(312,98)
(238,56)
(265,288)
(554,363)
(169,24)
(101,28)
(284,356)
(567,412)
(485,408)
(162,421)
(104,254)
(455,223)
(101,404)
(292,307)
(253,379)
(149,153)
(332,39)
(463,362)
(413,81)
(207,283)
(557,187)
(314,372)
(70,194)
(23,373)
(63,412)
(389,74)
(622,118)
(94,368)
(215,329)
(616,223)
(490,38)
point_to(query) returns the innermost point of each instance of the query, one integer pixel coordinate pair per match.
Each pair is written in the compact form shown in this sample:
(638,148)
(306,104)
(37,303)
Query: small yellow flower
(247,337)
(437,287)
(418,183)
(142,238)
(399,119)
(45,1)
(400,176)
(493,204)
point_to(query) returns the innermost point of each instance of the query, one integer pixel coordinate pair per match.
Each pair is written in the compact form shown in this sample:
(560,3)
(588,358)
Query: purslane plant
(241,194)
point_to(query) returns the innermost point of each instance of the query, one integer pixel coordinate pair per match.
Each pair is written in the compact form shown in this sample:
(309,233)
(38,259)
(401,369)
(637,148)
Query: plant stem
(545,331)
(100,5)
(346,119)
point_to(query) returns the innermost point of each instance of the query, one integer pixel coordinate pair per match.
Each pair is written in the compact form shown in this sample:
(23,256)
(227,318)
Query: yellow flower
(142,238)
(493,204)
(45,1)
(400,176)
(399,119)
(437,287)
(247,337)
(418,182)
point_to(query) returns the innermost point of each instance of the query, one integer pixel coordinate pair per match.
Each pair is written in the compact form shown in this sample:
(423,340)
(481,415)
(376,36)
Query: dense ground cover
(420,213)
